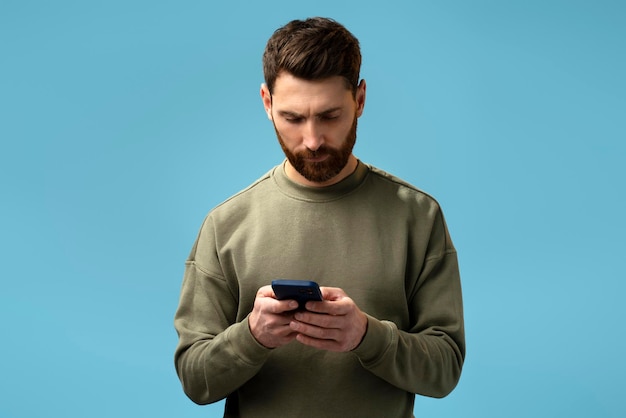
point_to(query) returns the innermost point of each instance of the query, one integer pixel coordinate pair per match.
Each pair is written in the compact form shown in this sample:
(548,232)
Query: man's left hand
(335,324)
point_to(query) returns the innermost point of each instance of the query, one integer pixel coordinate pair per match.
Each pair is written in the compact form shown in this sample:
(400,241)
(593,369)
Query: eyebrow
(289,113)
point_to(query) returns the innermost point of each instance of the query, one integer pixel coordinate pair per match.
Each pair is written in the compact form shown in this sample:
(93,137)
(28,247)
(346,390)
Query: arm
(428,358)
(424,357)
(215,355)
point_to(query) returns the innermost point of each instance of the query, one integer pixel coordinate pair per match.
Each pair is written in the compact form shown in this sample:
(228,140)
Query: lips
(316,158)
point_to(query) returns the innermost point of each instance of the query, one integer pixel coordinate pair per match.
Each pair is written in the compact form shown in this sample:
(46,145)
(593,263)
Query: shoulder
(257,186)
(399,187)
(238,206)
(420,208)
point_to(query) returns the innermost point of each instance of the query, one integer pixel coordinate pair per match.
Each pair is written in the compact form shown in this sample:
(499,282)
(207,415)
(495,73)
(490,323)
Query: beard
(319,172)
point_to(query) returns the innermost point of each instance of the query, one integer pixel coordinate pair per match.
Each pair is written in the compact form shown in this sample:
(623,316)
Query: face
(315,122)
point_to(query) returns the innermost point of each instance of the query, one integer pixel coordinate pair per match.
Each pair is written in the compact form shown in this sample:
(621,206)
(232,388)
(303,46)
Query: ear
(360,98)
(267,100)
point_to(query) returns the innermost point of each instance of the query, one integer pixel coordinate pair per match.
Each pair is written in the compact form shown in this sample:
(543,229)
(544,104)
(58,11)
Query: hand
(335,324)
(270,318)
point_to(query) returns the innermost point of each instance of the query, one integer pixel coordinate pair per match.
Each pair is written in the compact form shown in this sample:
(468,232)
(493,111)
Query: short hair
(313,49)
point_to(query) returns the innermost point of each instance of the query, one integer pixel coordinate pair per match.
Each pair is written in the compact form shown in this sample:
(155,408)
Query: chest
(363,251)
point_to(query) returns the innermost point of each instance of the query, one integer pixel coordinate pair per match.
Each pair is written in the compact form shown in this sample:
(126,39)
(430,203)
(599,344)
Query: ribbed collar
(319,194)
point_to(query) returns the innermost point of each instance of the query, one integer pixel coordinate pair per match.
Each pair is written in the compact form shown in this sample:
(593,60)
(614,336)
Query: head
(313,49)
(313,97)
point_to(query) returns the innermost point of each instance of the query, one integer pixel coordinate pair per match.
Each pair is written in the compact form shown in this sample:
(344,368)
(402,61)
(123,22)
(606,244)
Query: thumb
(332,293)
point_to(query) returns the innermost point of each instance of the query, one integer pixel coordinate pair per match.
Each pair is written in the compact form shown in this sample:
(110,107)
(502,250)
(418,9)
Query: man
(391,321)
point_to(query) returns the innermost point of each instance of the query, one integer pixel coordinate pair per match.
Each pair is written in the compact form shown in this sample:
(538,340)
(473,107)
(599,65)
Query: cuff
(243,343)
(376,342)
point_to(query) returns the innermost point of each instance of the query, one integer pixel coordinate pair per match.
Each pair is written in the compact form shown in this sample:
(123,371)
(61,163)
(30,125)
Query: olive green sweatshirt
(381,240)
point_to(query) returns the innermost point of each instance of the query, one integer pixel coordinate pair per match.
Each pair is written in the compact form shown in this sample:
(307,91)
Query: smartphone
(300,290)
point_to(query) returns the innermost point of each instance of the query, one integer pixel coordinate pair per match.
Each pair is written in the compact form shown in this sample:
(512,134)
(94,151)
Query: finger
(281,307)
(332,293)
(281,329)
(313,331)
(341,306)
(329,345)
(266,299)
(315,342)
(318,320)
(318,307)
(266,291)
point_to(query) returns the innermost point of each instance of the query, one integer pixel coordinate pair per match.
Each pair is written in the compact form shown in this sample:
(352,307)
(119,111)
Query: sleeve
(428,357)
(215,354)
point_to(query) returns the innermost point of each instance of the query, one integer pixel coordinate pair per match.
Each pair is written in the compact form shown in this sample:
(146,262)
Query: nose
(313,137)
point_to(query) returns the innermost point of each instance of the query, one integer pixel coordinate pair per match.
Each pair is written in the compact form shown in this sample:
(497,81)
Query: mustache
(322,150)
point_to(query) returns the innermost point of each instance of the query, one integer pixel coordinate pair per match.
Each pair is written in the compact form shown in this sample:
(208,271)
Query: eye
(294,120)
(329,117)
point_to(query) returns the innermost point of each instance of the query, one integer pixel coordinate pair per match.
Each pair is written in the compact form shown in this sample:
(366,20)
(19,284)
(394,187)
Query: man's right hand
(270,318)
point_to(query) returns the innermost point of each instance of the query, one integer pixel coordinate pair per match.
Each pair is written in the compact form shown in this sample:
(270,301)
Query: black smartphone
(300,290)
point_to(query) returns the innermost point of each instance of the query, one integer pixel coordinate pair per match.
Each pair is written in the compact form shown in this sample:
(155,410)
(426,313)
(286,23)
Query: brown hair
(313,49)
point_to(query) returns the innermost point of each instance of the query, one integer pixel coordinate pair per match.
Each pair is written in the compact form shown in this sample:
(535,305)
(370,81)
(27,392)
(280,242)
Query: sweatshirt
(381,240)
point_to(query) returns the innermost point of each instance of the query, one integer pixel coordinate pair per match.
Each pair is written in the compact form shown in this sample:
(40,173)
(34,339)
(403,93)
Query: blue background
(123,122)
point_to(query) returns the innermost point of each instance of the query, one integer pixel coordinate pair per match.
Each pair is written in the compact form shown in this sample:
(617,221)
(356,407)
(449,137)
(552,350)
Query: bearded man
(390,322)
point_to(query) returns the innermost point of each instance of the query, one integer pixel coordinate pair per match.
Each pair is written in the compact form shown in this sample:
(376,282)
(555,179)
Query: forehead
(296,94)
